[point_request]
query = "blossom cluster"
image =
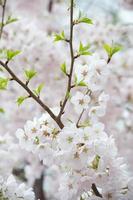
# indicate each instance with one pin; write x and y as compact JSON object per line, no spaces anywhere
{"x":10,"y":188}
{"x":81,"y":156}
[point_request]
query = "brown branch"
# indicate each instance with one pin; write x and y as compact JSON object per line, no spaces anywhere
{"x":31,"y":94}
{"x":3,"y":16}
{"x":39,"y":193}
{"x":25,"y":85}
{"x":69,"y":86}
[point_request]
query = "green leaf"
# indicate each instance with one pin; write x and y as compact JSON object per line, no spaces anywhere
{"x":82,"y":84}
{"x":117,"y":48}
{"x":63,"y":68}
{"x":107,"y":48}
{"x":30,"y":74}
{"x":59,"y":37}
{"x":8,"y":54}
{"x":11,"y":54}
{"x":111,"y":50}
{"x":2,"y":110}
{"x":84,"y":50}
{"x":81,"y":47}
{"x":85,"y":20}
{"x":3,"y":83}
{"x":21,"y":99}
{"x":85,"y":53}
{"x":10,"y":20}
{"x":38,"y":90}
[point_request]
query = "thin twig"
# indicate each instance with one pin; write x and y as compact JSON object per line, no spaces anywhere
{"x":31,"y":94}
{"x":3,"y":16}
{"x":69,"y":86}
{"x":80,"y":116}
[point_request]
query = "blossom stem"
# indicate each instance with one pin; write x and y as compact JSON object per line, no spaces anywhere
{"x":31,"y":94}
{"x":69,"y":86}
{"x":81,"y":114}
{"x":3,"y":16}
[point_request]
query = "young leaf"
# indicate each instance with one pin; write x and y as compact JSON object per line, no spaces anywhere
{"x":30,"y":74}
{"x":116,"y":49}
{"x":85,"y":20}
{"x":38,"y":90}
{"x":11,"y":54}
{"x":81,"y":47}
{"x":3,"y":83}
{"x":84,"y":50}
{"x":111,"y":50}
{"x":82,"y":84}
{"x":107,"y":48}
{"x":59,"y":37}
{"x":21,"y":99}
{"x":10,"y":20}
{"x":63,"y":68}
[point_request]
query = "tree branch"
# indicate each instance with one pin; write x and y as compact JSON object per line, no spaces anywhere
{"x":3,"y":16}
{"x":69,"y":86}
{"x":31,"y":94}
{"x":38,"y":188}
